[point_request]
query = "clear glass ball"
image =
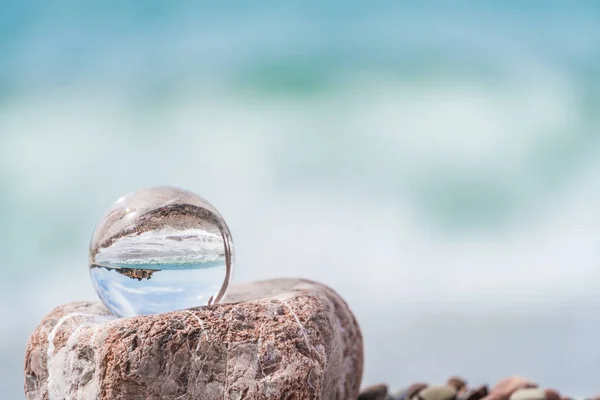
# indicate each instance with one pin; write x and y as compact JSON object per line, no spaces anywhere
{"x":158,"y":250}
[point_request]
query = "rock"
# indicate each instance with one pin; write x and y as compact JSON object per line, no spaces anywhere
{"x":409,"y":392}
{"x":415,"y":389}
{"x":552,"y":394}
{"x":280,"y":339}
{"x":477,"y":393}
{"x":506,"y":387}
{"x":529,"y":394}
{"x":437,"y":393}
{"x":458,"y":383}
{"x":375,"y":392}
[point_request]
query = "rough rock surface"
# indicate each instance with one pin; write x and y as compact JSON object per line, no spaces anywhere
{"x":279,"y":339}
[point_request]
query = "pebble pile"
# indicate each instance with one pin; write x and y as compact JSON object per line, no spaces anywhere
{"x":456,"y":388}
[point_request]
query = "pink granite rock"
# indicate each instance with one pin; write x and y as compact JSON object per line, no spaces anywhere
{"x":280,"y":339}
{"x":505,"y":388}
{"x":552,"y":394}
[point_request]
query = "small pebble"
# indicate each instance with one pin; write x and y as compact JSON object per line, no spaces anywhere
{"x":375,"y":392}
{"x":529,"y":394}
{"x":506,"y":387}
{"x":409,"y":392}
{"x":415,"y":389}
{"x":437,"y":393}
{"x":552,"y":394}
{"x":477,"y":393}
{"x":460,"y":384}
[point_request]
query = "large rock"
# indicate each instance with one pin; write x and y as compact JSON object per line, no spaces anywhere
{"x":279,"y":339}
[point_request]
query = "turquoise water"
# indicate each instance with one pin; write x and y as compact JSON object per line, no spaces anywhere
{"x":433,"y":162}
{"x":162,"y":266}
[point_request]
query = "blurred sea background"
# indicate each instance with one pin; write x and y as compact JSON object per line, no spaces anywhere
{"x":436,"y":163}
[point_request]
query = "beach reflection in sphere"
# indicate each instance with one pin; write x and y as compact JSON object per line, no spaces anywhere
{"x":158,"y":250}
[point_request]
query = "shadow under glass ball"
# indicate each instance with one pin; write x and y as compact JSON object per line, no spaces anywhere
{"x":158,"y":250}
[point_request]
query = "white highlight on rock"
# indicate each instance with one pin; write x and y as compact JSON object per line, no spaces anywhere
{"x":202,"y":326}
{"x":52,"y":333}
{"x":200,"y":322}
{"x":61,"y":363}
{"x":303,"y":332}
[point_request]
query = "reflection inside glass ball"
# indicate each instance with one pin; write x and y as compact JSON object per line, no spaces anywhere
{"x":158,"y":250}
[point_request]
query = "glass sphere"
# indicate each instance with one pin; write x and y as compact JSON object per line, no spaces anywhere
{"x":158,"y":250}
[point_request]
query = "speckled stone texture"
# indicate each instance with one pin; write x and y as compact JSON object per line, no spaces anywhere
{"x":279,"y":339}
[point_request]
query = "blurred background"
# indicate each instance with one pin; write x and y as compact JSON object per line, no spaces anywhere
{"x":438,"y":165}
